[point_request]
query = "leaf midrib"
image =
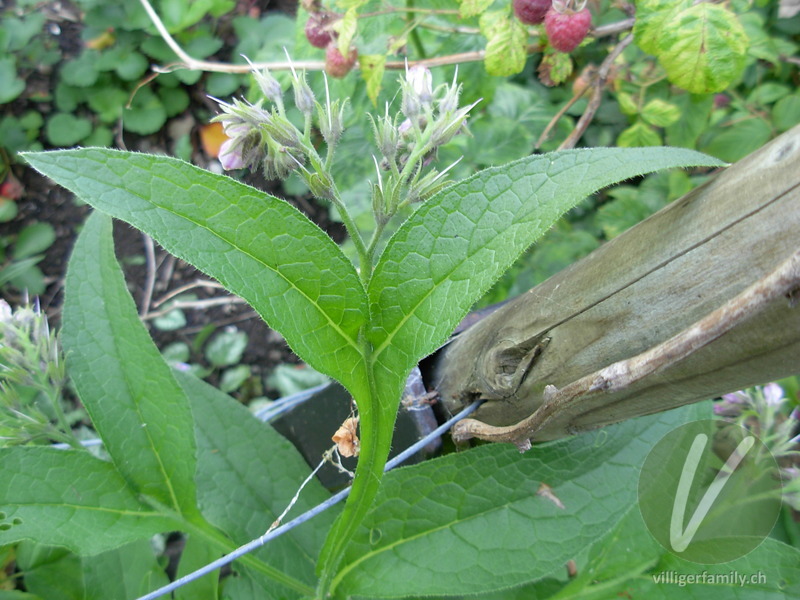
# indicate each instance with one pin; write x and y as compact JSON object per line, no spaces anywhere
{"x":434,"y":287}
{"x":350,"y":341}
{"x":118,"y":327}
{"x":93,"y":508}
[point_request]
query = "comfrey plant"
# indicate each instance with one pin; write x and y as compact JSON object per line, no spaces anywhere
{"x":766,"y":411}
{"x":182,"y":457}
{"x":32,"y":378}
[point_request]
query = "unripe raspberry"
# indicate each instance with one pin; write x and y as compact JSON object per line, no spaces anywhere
{"x":317,"y":33}
{"x":566,"y":30}
{"x":531,"y":12}
{"x":337,"y":65}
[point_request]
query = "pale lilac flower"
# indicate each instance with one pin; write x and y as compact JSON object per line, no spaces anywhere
{"x":773,"y":394}
{"x":736,"y":398}
{"x":230,"y":154}
{"x":404,"y":128}
{"x":421,"y":82}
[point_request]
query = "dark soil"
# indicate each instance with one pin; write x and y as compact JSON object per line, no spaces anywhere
{"x":44,"y":201}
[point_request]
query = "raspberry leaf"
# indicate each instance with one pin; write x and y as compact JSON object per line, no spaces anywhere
{"x":705,"y":49}
{"x":471,"y":8}
{"x":639,"y":134}
{"x":701,"y":46}
{"x":660,"y":113}
{"x":651,"y":18}
{"x":505,"y":47}
{"x":347,"y":30}
{"x":555,"y":68}
{"x":372,"y":69}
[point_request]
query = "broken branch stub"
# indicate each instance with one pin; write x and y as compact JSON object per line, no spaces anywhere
{"x":694,"y":302}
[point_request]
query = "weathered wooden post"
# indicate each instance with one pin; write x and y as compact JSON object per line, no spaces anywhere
{"x":701,"y":299}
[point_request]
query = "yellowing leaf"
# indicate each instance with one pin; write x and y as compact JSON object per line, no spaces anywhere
{"x":651,"y":16}
{"x":347,"y":30}
{"x":470,"y":8}
{"x":505,"y":47}
{"x":372,"y":68}
{"x":701,"y":46}
{"x":660,"y":113}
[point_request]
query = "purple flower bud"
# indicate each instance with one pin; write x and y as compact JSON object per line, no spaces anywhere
{"x":404,"y":128}
{"x":734,"y":398}
{"x":269,"y":85}
{"x":303,"y":96}
{"x":420,"y":80}
{"x":236,"y":130}
{"x":230,"y":155}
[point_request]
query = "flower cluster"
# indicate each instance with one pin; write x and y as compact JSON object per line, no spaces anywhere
{"x":765,"y":411}
{"x":267,"y":139}
{"x":32,"y":377}
{"x":408,"y":141}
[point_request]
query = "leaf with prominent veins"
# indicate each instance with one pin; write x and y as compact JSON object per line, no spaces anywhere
{"x":456,"y":245}
{"x":258,"y":246}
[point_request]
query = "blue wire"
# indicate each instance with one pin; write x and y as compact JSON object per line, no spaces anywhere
{"x":278,"y":531}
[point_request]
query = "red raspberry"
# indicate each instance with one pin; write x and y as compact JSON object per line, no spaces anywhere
{"x":566,"y":30}
{"x":337,"y":65}
{"x":531,"y":12}
{"x":316,"y":29}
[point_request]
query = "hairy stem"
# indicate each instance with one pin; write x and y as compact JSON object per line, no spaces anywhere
{"x":376,"y":426}
{"x":364,"y":260}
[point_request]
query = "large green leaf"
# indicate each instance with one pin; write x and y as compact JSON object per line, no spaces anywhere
{"x":246,"y":476}
{"x":473,"y":522}
{"x":127,"y":572}
{"x":629,"y":563}
{"x":69,"y":498}
{"x":456,"y":245}
{"x":258,"y":246}
{"x":772,"y":572}
{"x":128,"y":390}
